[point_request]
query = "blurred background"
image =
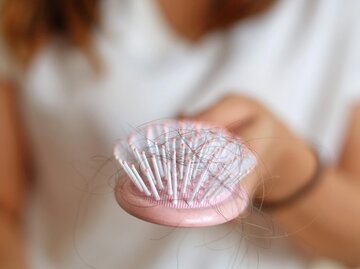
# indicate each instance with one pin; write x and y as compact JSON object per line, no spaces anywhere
{"x":77,"y":75}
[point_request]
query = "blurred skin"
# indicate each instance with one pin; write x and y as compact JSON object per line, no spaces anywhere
{"x":188,"y":19}
{"x":12,"y":181}
{"x":332,"y":207}
{"x":193,"y":19}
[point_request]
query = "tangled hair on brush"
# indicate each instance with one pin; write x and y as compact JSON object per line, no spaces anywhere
{"x":252,"y":230}
{"x":196,"y":161}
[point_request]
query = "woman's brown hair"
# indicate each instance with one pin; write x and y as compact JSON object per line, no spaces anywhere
{"x":28,"y":24}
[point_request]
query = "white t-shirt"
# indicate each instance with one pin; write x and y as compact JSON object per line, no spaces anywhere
{"x":301,"y":59}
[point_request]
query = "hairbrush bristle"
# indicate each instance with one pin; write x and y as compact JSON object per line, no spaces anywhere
{"x":183,"y":164}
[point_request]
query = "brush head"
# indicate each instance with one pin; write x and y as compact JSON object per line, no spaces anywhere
{"x":183,"y":174}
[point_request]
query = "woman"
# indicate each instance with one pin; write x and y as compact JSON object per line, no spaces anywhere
{"x":83,"y":71}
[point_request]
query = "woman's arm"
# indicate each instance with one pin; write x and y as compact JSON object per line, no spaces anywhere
{"x":335,"y":205}
{"x":11,"y":182}
{"x":326,"y":220}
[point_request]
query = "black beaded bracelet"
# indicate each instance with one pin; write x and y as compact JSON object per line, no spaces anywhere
{"x":297,"y":195}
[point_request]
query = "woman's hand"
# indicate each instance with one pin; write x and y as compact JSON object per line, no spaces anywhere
{"x":285,"y":162}
{"x":326,"y":222}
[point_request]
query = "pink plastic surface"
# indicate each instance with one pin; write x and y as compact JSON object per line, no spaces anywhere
{"x":160,"y":212}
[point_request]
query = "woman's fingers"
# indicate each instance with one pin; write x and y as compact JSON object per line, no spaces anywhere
{"x":230,"y":111}
{"x":246,"y":119}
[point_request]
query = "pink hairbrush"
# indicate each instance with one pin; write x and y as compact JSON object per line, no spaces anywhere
{"x":183,"y":174}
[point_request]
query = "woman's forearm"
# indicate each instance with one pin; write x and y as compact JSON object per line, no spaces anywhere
{"x":12,"y":181}
{"x":328,"y":218}
{"x":11,"y":247}
{"x":12,"y":166}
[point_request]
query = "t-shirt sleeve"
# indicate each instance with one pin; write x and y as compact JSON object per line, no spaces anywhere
{"x":346,"y":91}
{"x":351,"y":82}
